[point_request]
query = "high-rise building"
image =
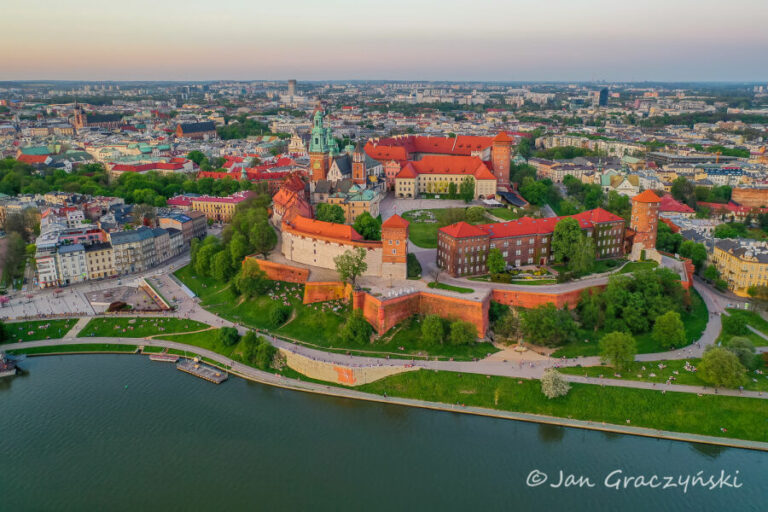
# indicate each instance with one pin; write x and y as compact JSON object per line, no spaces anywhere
{"x":603,"y":98}
{"x":291,"y":87}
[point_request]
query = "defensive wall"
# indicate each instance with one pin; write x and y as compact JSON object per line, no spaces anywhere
{"x":316,"y":291}
{"x":526,"y":299}
{"x":750,"y":197}
{"x":339,"y":374}
{"x":280,"y":271}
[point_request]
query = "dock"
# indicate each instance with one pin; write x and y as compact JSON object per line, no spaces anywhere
{"x":197,"y":369}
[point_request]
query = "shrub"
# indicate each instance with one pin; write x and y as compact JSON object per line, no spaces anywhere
{"x":227,"y":336}
{"x":462,"y":333}
{"x":279,"y":314}
{"x":553,"y":385}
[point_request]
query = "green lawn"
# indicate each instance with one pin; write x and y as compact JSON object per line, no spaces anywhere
{"x":642,"y":371}
{"x":139,"y":327}
{"x":752,"y":318}
{"x":38,"y":330}
{"x":405,"y":339}
{"x":695,"y":322}
{"x":424,"y":234}
{"x":205,"y":340}
{"x":505,"y":213}
{"x":60,"y":349}
{"x":636,"y":266}
{"x":744,"y":418}
{"x":443,"y":286}
{"x":598,"y":266}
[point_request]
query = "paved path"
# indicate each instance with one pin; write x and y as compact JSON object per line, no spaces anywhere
{"x":79,"y":326}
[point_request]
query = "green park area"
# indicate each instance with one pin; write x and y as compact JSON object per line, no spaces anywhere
{"x":674,"y":371}
{"x":424,"y":224}
{"x":752,"y":319}
{"x":139,"y":327}
{"x":742,"y":418}
{"x":36,"y":330}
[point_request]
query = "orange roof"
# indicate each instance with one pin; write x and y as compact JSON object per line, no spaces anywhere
{"x":407,"y":171}
{"x":646,"y":196}
{"x":395,"y":221}
{"x":326,"y":229}
{"x":434,"y":164}
{"x":482,"y":173}
{"x":502,"y":137}
{"x":462,"y":230}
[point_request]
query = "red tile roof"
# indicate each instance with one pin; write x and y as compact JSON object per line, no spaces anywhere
{"x":502,"y":137}
{"x":646,"y":196}
{"x":597,"y":216}
{"x":326,"y":229}
{"x":462,"y":230}
{"x":32,"y":159}
{"x":407,"y":171}
{"x":670,"y":204}
{"x":433,"y":164}
{"x":395,"y":221}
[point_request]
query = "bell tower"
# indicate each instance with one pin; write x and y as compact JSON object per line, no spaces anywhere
{"x":358,"y":165}
{"x":318,"y":148}
{"x":501,"y":155}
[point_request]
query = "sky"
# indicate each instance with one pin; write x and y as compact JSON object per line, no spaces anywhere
{"x":500,"y":40}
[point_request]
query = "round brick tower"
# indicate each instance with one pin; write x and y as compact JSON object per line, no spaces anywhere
{"x":645,"y":219}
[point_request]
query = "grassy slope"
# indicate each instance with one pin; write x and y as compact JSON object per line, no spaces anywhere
{"x":443,"y":286}
{"x":139,"y":327}
{"x":93,"y":347}
{"x":744,"y":418}
{"x":38,"y":330}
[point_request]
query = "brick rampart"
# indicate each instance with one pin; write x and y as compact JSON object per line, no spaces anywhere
{"x":750,"y":197}
{"x":315,"y":291}
{"x":281,"y":272}
{"x":525,"y":299}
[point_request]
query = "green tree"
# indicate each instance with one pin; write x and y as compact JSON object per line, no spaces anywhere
{"x":258,"y":351}
{"x":734,"y":325}
{"x":467,"y":189}
{"x":683,"y":190}
{"x":666,"y":240}
{"x":743,"y":348}
{"x":566,"y":239}
{"x":583,"y":257}
{"x":452,"y":190}
{"x":239,"y":247}
{"x":351,"y":264}
{"x":356,"y":330}
{"x":205,"y":254}
{"x":330,"y":213}
{"x":696,"y":252}
{"x":721,"y":368}
{"x":711,"y":273}
{"x":196,"y":156}
{"x":278,"y":314}
{"x":462,"y":333}
{"x":669,"y":330}
{"x":368,"y":226}
{"x":546,"y":325}
{"x":507,"y":327}
{"x":553,"y":385}
{"x":227,"y":336}
{"x":618,"y":349}
{"x":432,"y":332}
{"x":262,"y":238}
{"x":475,"y":213}
{"x":221,"y":266}
{"x":251,"y":281}
{"x":496,"y":262}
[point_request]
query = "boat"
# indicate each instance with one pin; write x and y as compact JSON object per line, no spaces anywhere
{"x":7,"y":366}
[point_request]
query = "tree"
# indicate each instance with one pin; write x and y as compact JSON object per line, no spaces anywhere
{"x":743,"y":348}
{"x":553,"y":385}
{"x":666,"y":240}
{"x":452,"y":190}
{"x":721,"y":368}
{"x":205,"y":254}
{"x":583,"y":257}
{"x":507,"y":326}
{"x":475,"y":213}
{"x":143,"y":214}
{"x":251,"y":281}
{"x":356,"y":330}
{"x":591,"y":309}
{"x":196,"y":156}
{"x":618,"y":349}
{"x":734,"y":325}
{"x":221,"y":266}
{"x":496,"y":262}
{"x":696,"y":252}
{"x":278,"y":314}
{"x":546,"y":325}
{"x":239,"y":247}
{"x":683,"y":190}
{"x":432,"y":332}
{"x":669,"y":331}
{"x":330,"y":213}
{"x":462,"y":333}
{"x":368,"y":226}
{"x":711,"y":273}
{"x":262,"y":238}
{"x":467,"y":189}
{"x":351,"y":264}
{"x":566,"y":239}
{"x":227,"y":336}
{"x":258,"y":351}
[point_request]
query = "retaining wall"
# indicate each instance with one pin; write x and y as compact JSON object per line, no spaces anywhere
{"x":280,"y":271}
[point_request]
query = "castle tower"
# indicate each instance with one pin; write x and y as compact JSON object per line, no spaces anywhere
{"x":644,"y":222}
{"x":318,"y":148}
{"x":394,"y":243}
{"x":501,"y":155}
{"x":358,"y":165}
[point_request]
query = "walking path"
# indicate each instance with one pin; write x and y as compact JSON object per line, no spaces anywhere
{"x":253,"y":374}
{"x":79,"y":326}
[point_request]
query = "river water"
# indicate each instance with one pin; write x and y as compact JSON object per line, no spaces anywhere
{"x":118,"y":432}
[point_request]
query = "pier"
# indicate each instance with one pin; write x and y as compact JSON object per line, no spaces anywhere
{"x":197,"y":369}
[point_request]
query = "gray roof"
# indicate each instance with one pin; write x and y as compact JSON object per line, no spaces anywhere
{"x":344,"y":163}
{"x":131,"y":236}
{"x":98,"y":246}
{"x":64,"y":249}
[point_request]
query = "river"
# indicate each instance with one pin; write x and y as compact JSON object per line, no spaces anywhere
{"x":118,"y":432}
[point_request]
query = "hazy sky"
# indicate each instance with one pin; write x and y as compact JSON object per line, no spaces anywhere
{"x":384,"y":39}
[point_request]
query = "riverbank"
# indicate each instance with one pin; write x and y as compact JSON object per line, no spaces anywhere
{"x":467,"y":405}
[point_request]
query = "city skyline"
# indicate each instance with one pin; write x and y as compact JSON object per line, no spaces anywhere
{"x":233,"y":40}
